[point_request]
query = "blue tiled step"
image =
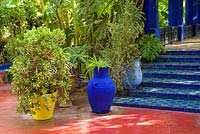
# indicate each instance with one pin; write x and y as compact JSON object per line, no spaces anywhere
{"x":170,"y":93}
{"x":176,"y":74}
{"x":178,"y":52}
{"x":173,"y":65}
{"x":171,"y":83}
{"x":159,"y":103}
{"x":179,"y":58}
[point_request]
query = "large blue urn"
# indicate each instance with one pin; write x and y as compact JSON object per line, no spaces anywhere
{"x":101,"y":91}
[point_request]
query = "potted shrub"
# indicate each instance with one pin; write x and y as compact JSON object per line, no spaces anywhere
{"x":122,"y":51}
{"x":40,"y":68}
{"x":101,"y":88}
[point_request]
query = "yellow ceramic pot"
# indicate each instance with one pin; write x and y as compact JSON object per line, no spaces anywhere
{"x":43,"y":113}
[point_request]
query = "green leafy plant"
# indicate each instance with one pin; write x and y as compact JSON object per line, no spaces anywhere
{"x":79,"y":56}
{"x":149,"y":47}
{"x":39,"y":67}
{"x":97,"y":18}
{"x":125,"y":28}
{"x":99,"y":63}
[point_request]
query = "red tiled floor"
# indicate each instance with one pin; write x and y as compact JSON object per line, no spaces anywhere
{"x":120,"y":120}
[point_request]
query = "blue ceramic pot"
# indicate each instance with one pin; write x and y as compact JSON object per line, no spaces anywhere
{"x":101,"y":91}
{"x":5,"y":66}
{"x":133,"y":76}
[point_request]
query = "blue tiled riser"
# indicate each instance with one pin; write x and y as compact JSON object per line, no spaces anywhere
{"x":173,"y":74}
{"x":170,"y":85}
{"x":159,"y":107}
{"x":178,"y":59}
{"x":172,"y":82}
{"x":175,"y":66}
{"x":192,"y":52}
{"x":176,"y":76}
{"x":173,"y":58}
{"x":163,"y":95}
{"x":157,"y":103}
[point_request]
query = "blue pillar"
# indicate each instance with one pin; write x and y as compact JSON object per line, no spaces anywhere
{"x":175,"y":16}
{"x":199,"y":12}
{"x":150,"y":10}
{"x":192,"y":14}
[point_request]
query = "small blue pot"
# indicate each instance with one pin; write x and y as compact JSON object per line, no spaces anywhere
{"x":133,"y":76}
{"x":101,"y":91}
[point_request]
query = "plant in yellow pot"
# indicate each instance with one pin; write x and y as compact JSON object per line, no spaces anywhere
{"x":40,"y":68}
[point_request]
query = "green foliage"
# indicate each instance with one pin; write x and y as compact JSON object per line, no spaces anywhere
{"x":3,"y":54}
{"x":94,"y":62}
{"x":79,"y":56}
{"x":125,"y":29}
{"x":163,"y":13}
{"x":108,"y":28}
{"x":16,"y":17}
{"x":149,"y":47}
{"x":97,"y":18}
{"x":12,"y":16}
{"x":39,"y":67}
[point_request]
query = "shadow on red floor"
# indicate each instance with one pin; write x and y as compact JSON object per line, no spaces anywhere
{"x":120,"y":120}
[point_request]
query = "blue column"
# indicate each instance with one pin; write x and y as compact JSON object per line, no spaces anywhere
{"x":150,"y":10}
{"x":199,"y":12}
{"x":175,"y":16}
{"x":192,"y":14}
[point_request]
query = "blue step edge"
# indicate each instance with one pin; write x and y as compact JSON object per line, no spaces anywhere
{"x":158,"y":107}
{"x":178,"y":59}
{"x":175,"y":76}
{"x":168,"y":66}
{"x":159,"y":103}
{"x":163,"y":95}
{"x":182,"y":52}
{"x":170,"y":85}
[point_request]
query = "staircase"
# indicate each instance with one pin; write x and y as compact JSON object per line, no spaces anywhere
{"x":172,"y":82}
